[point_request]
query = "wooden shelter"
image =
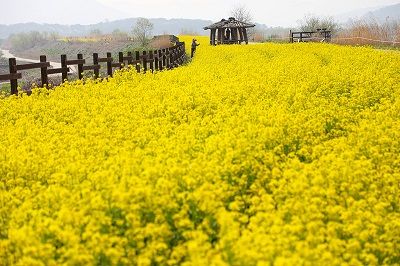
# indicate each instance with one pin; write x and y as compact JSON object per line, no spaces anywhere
{"x":229,"y":31}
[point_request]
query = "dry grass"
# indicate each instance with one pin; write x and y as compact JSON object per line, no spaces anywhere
{"x":371,"y":32}
{"x":161,"y":42}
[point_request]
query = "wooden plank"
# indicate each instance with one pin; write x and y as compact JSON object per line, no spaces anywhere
{"x":105,"y":59}
{"x":33,"y":66}
{"x":151,"y":57}
{"x":144,"y":58}
{"x":12,"y":63}
{"x":96,"y":63}
{"x":127,"y":58}
{"x":130,"y":58}
{"x":121,"y":60}
{"x":76,"y":62}
{"x":7,"y":77}
{"x":137,"y":56}
{"x":156,"y":61}
{"x":94,"y":67}
{"x":164,"y":58}
{"x":80,"y":66}
{"x":160,"y":58}
{"x":43,"y":71}
{"x":117,"y":65}
{"x":109,"y":65}
{"x":58,"y":70}
{"x":64,"y":75}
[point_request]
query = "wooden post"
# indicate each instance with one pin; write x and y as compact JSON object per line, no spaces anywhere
{"x":64,"y":75}
{"x":164,"y":58}
{"x":301,"y":37}
{"x":137,"y":58}
{"x":290,"y":36}
{"x":130,"y":58}
{"x":160,"y":59}
{"x":80,"y":67}
{"x":144,"y":58}
{"x":43,"y":72}
{"x":151,"y":57}
{"x":109,"y":65}
{"x":121,"y":59}
{"x":167,"y":58}
{"x":220,"y":37}
{"x":246,"y":39}
{"x":156,"y":60}
{"x":240,"y":35}
{"x":234,"y":33}
{"x":12,"y":64}
{"x":171,"y":57}
{"x":96,"y":71}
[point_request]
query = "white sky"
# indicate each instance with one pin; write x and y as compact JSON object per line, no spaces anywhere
{"x":270,"y":12}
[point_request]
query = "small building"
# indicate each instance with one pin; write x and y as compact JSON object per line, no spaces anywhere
{"x":163,"y":41}
{"x":229,"y":31}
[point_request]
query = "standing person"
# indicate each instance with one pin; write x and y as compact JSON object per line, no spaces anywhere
{"x":194,"y":46}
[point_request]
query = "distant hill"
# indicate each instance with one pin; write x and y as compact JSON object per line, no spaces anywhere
{"x":380,"y":14}
{"x":386,"y":13}
{"x":161,"y":26}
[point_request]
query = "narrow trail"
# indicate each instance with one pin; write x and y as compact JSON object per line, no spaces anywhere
{"x":7,"y":54}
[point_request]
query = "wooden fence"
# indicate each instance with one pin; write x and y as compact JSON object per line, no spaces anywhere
{"x":147,"y":60}
{"x":322,"y":35}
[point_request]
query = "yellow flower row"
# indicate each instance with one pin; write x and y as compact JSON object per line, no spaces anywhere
{"x":249,"y":155}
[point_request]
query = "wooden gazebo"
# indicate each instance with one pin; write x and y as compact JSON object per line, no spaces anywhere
{"x":229,"y":31}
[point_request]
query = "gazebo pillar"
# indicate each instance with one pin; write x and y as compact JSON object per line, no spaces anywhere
{"x":212,"y":36}
{"x":246,"y":39}
{"x":241,"y":38}
{"x":234,"y":32}
{"x":220,"y":37}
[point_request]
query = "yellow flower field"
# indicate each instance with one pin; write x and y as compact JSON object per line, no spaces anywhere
{"x":249,"y":155}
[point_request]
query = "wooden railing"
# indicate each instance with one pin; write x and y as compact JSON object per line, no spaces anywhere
{"x":143,"y":61}
{"x":307,"y":36}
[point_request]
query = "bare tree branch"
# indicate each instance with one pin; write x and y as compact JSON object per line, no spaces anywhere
{"x":241,"y":13}
{"x":142,"y":31}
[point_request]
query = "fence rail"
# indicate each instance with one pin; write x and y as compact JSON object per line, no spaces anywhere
{"x":305,"y":36}
{"x":143,"y":61}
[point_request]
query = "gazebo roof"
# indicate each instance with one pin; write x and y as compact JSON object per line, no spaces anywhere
{"x":230,"y":23}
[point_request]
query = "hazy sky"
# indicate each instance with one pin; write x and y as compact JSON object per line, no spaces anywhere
{"x":269,"y":12}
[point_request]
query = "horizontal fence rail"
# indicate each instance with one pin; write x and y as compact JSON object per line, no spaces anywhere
{"x":154,"y":60}
{"x":304,"y":36}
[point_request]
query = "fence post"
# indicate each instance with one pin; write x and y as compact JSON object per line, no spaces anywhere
{"x":144,"y":58}
{"x":172,"y":57}
{"x":130,"y":58}
{"x":64,"y":75}
{"x":121,"y":59}
{"x":109,"y":65}
{"x":301,"y":37}
{"x":160,"y":60}
{"x":43,"y":72}
{"x":96,"y":71}
{"x":137,"y":58}
{"x":168,"y":59}
{"x":164,"y":58}
{"x":80,"y":67}
{"x":151,"y":56}
{"x":156,"y":60}
{"x":12,"y":64}
{"x":290,"y":37}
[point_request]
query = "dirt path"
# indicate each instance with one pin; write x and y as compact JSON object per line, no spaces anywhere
{"x":6,"y":54}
